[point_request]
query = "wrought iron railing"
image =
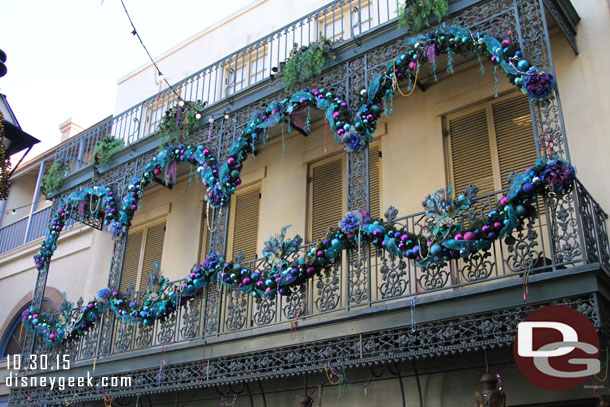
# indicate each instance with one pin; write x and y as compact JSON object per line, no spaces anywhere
{"x":570,"y":231}
{"x":22,"y":232}
{"x":339,"y":21}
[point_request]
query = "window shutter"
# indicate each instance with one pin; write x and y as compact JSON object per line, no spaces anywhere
{"x":131,"y":260}
{"x":471,"y":153}
{"x":245,"y":224}
{"x":374,"y":182}
{"x":327,"y":197}
{"x":203,"y":235}
{"x":514,"y":136}
{"x":153,"y":251}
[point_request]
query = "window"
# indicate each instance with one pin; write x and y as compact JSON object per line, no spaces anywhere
{"x":342,"y":23}
{"x":245,"y":208}
{"x":249,"y":69}
{"x":13,"y":340}
{"x":489,"y":142}
{"x":143,"y":250}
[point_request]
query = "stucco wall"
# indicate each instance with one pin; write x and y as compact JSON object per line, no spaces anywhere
{"x":584,"y":89}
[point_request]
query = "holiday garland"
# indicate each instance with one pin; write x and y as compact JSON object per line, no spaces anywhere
{"x":448,"y":238}
{"x":5,"y":164}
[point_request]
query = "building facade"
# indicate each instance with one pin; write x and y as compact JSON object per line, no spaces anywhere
{"x":373,"y":328}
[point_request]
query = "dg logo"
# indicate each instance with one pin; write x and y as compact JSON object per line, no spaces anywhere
{"x":556,"y":348}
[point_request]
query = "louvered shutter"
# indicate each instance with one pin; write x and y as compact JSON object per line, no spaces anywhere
{"x":470,"y":153}
{"x":153,"y":251}
{"x":374,"y":182}
{"x":203,"y":235}
{"x":327,"y":197}
{"x":514,"y":136}
{"x":245,"y":224}
{"x":131,"y":260}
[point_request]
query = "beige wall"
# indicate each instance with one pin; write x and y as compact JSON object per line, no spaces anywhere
{"x":584,"y":88}
{"x":20,"y":198}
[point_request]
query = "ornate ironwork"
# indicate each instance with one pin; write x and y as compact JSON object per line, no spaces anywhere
{"x":328,"y":289}
{"x":469,"y":333}
{"x":394,"y":276}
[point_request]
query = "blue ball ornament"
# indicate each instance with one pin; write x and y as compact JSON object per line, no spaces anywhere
{"x":528,"y":188}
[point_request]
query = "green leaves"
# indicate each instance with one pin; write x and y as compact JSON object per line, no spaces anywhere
{"x":107,"y":148}
{"x":417,"y":13}
{"x":53,"y":180}
{"x":305,"y":63}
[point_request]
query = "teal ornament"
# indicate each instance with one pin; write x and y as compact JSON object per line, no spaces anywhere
{"x":520,"y":210}
{"x":523,"y":65}
{"x":436,"y":250}
{"x":235,"y":174}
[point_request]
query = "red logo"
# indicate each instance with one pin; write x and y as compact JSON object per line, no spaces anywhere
{"x":556,"y":348}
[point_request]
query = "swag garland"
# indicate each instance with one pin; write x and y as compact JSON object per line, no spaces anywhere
{"x":448,"y":238}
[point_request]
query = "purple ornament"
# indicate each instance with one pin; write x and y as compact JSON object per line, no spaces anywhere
{"x":469,"y":236}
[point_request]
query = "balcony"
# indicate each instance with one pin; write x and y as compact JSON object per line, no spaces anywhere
{"x":24,"y":230}
{"x":568,"y":240}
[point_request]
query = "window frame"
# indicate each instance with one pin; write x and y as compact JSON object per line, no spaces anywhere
{"x":487,"y":106}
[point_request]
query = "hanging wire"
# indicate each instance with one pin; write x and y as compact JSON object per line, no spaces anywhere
{"x":135,"y":32}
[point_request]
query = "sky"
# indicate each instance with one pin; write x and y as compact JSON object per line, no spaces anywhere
{"x":64,"y":57}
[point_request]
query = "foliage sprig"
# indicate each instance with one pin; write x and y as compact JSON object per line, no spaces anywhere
{"x":54,"y":178}
{"x":417,"y":13}
{"x":107,"y":148}
{"x":304,"y":63}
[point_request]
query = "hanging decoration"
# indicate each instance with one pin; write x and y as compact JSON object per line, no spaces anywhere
{"x":445,"y":238}
{"x":97,"y":202}
{"x":5,"y":163}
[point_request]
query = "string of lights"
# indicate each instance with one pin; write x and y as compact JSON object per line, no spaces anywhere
{"x":135,"y":33}
{"x":14,"y":210}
